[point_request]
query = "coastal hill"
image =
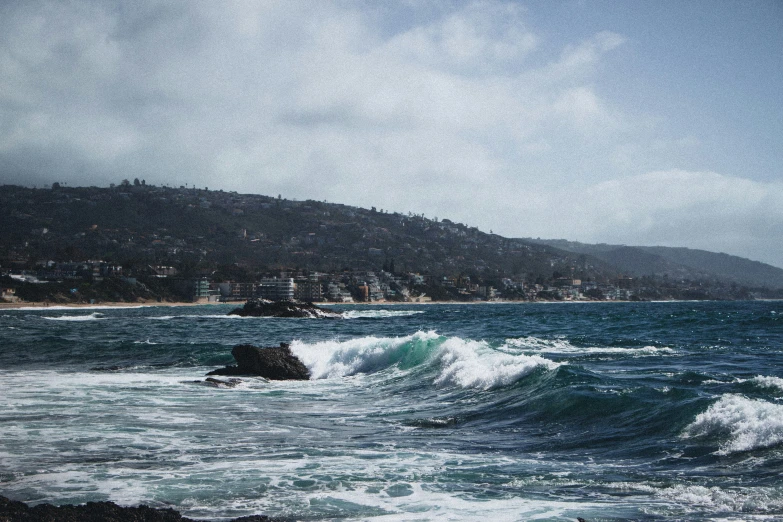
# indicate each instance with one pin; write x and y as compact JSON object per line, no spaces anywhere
{"x":230,"y":236}
{"x":141,"y":224}
{"x":674,"y":262}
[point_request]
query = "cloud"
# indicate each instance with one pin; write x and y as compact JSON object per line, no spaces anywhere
{"x":674,"y":208}
{"x":452,"y":110}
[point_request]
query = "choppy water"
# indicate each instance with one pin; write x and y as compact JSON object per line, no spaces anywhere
{"x":606,"y":411}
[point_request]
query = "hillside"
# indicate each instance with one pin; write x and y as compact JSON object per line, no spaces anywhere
{"x":199,"y":229}
{"x":240,"y":237}
{"x":676,"y":263}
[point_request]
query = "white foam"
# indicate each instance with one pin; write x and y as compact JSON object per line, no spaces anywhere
{"x":330,"y":359}
{"x":562,"y":347}
{"x":744,"y":424}
{"x":95,"y":316}
{"x":740,"y":500}
{"x":425,"y":503}
{"x":473,"y":364}
{"x":379,"y":314}
{"x":768,"y":382}
{"x":469,"y":364}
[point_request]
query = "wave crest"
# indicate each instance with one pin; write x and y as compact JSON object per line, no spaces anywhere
{"x":563,"y":347}
{"x":330,"y":359}
{"x":474,"y":364}
{"x":745,"y":424}
{"x":465,"y":363}
{"x":95,"y":316}
{"x":768,"y":382}
{"x":379,"y":314}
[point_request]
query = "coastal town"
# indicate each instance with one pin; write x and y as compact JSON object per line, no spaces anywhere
{"x":95,"y":282}
{"x":134,"y":242}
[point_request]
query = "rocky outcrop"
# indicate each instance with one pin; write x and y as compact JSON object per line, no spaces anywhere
{"x":266,"y":308}
{"x":276,"y":363}
{"x":13,"y":511}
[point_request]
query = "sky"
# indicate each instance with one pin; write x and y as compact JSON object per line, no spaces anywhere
{"x":623,"y":122}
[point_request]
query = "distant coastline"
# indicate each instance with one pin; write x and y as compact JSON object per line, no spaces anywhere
{"x":115,"y":304}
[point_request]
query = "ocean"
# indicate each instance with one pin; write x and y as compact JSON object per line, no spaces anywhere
{"x":529,"y":411}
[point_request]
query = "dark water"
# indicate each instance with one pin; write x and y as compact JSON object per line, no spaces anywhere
{"x":606,"y":411}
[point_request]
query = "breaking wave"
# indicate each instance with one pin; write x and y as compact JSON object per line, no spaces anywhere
{"x":768,"y":382}
{"x":465,"y":363}
{"x":741,"y":424}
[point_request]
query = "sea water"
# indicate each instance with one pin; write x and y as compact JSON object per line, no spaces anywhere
{"x":605,"y":411}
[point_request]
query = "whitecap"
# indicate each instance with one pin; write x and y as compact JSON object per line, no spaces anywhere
{"x":330,"y":359}
{"x":474,"y":364}
{"x":743,"y":424}
{"x":768,"y":382}
{"x":465,"y":363}
{"x":379,"y":314}
{"x":563,"y":347}
{"x":742,"y":500}
{"x":95,"y":316}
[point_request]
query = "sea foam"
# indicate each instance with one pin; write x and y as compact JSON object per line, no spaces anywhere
{"x":692,"y":496}
{"x":330,"y":359}
{"x":474,"y":364}
{"x":95,"y":316}
{"x":563,"y":347}
{"x":379,"y":314}
{"x":768,"y":382}
{"x":743,"y":424}
{"x":465,"y":363}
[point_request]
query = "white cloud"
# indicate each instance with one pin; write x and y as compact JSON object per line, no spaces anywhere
{"x":451,"y":111}
{"x":673,"y":208}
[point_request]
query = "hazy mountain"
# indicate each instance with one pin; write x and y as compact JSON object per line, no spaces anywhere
{"x":676,"y":262}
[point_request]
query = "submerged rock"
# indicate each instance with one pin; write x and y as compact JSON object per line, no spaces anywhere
{"x":12,"y":510}
{"x":277,"y":363}
{"x":266,"y":308}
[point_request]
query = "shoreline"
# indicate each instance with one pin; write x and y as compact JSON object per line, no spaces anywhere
{"x":39,"y":305}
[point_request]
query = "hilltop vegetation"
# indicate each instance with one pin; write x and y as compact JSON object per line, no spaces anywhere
{"x":199,"y":229}
{"x":240,"y":237}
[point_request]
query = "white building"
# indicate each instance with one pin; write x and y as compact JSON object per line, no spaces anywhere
{"x":276,"y":289}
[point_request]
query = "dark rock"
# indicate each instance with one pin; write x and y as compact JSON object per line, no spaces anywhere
{"x":266,"y":308}
{"x":217,"y":383}
{"x":273,"y":363}
{"x":230,"y":383}
{"x":230,"y":370}
{"x":13,"y":511}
